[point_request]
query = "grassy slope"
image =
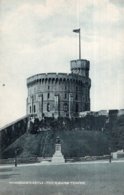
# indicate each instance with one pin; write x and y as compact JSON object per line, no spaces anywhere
{"x":75,"y":143}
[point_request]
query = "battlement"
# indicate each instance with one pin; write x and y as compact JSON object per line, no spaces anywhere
{"x":46,"y":75}
{"x":83,"y":64}
{"x":80,"y":67}
{"x":56,"y":77}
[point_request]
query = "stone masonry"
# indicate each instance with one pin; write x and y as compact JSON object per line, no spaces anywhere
{"x":60,"y":95}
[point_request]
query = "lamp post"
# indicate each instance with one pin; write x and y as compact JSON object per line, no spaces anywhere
{"x":16,"y":157}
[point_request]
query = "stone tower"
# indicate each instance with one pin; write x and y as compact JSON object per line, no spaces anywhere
{"x":60,"y":95}
{"x":81,"y":67}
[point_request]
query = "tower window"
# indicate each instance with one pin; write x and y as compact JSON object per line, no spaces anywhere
{"x":48,"y":87}
{"x":65,"y":95}
{"x":76,"y":107}
{"x":34,"y":108}
{"x":76,"y":97}
{"x":48,"y":107}
{"x":30,"y":109}
{"x":65,"y":108}
{"x":87,"y":74}
{"x":48,"y":95}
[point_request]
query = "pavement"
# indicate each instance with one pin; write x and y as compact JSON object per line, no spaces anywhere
{"x":52,"y":164}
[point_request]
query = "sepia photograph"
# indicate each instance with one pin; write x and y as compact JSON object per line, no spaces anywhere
{"x":61,"y":97}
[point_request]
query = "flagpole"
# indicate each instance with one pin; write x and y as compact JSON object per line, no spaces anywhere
{"x":80,"y":44}
{"x":79,"y":31}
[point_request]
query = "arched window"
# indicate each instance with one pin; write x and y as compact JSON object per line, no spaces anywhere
{"x":65,"y":95}
{"x":48,"y":107}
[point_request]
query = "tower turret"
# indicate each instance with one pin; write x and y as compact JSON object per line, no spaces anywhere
{"x":80,"y":67}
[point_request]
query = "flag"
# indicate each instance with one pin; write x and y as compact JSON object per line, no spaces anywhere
{"x":76,"y":30}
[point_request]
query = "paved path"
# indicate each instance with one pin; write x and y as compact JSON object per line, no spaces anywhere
{"x":49,"y":163}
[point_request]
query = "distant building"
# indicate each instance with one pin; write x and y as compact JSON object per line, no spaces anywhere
{"x":113,"y":113}
{"x":60,"y":95}
{"x":85,"y":113}
{"x":103,"y":112}
{"x":121,"y":112}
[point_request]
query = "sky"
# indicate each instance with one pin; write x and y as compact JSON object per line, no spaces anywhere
{"x":36,"y":37}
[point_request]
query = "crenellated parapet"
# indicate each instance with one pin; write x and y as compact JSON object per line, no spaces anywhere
{"x":85,"y":64}
{"x":54,"y":77}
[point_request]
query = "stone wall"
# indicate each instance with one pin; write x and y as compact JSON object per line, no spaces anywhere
{"x":12,"y":131}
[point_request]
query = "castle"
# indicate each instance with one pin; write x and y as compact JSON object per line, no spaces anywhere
{"x":60,"y":95}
